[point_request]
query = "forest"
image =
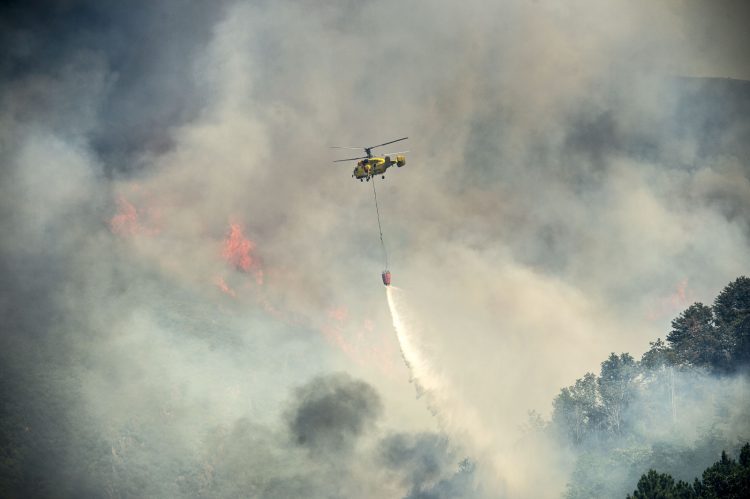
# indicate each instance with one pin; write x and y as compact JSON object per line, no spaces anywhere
{"x":672,"y":424}
{"x":725,"y":478}
{"x":671,"y":412}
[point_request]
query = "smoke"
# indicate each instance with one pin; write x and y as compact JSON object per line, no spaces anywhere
{"x":677,"y":421}
{"x":331,"y":412}
{"x":425,"y":379}
{"x":454,"y":415}
{"x":175,"y":239}
{"x":497,"y":454}
{"x":422,"y":459}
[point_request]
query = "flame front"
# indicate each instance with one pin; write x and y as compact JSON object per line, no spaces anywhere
{"x":360,"y":342}
{"x":125,"y":222}
{"x":237,"y":249}
{"x":672,"y":303}
{"x":130,"y":221}
{"x":224,"y":287}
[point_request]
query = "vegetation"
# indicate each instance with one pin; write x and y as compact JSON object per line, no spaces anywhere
{"x":706,"y":340}
{"x":726,"y":478}
{"x":673,"y":410}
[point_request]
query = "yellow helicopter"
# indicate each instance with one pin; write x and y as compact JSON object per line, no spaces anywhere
{"x":370,"y":165}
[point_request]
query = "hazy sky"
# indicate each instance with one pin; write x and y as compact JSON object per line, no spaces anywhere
{"x":568,"y":191}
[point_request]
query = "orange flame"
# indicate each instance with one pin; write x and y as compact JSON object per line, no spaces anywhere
{"x":129,"y":220}
{"x":669,"y":305}
{"x":237,"y":249}
{"x":125,"y":222}
{"x":224,"y":287}
{"x":361,"y":344}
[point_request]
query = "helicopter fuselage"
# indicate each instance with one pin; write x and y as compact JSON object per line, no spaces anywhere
{"x":377,"y":165}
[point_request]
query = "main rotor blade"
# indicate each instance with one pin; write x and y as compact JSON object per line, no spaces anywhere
{"x":386,"y":143}
{"x":391,"y":153}
{"x":349,"y":159}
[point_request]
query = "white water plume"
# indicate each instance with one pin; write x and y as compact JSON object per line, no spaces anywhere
{"x":453,"y":414}
{"x":426,"y":380}
{"x":494,"y":450}
{"x":442,"y":399}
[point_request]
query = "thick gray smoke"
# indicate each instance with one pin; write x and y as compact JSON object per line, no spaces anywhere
{"x":180,"y":257}
{"x":421,"y":461}
{"x":673,"y":419}
{"x":332,"y":412}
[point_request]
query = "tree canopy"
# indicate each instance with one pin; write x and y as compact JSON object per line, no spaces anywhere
{"x":726,"y":478}
{"x":633,"y":414}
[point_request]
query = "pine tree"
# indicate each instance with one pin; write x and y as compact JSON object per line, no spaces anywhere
{"x":732,"y":311}
{"x":697,"y":341}
{"x":725,"y":479}
{"x":655,"y":485}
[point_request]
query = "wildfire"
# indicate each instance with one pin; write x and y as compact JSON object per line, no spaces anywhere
{"x":237,"y":249}
{"x":224,"y":287}
{"x":668,"y":305}
{"x":680,"y":296}
{"x":360,"y":343}
{"x":125,"y":222}
{"x":129,"y":220}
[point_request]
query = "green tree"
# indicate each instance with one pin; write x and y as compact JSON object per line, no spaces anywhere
{"x":732,"y":311}
{"x":576,"y":410}
{"x":658,"y":355}
{"x":655,"y":485}
{"x":697,"y":341}
{"x":732,"y":305}
{"x":741,"y":350}
{"x":727,"y":478}
{"x":616,"y":388}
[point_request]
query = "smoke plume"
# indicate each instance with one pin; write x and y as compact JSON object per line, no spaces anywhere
{"x":182,"y":266}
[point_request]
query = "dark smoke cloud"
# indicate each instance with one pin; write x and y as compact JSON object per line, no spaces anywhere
{"x":331,"y":412}
{"x":140,"y":61}
{"x":421,"y":457}
{"x":428,"y":466}
{"x":246,"y":458}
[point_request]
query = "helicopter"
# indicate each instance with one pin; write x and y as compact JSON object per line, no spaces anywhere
{"x":370,"y":165}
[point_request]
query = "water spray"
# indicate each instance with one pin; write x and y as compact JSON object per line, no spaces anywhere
{"x":442,"y":398}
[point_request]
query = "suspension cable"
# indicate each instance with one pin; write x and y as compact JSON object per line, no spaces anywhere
{"x":380,"y":228}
